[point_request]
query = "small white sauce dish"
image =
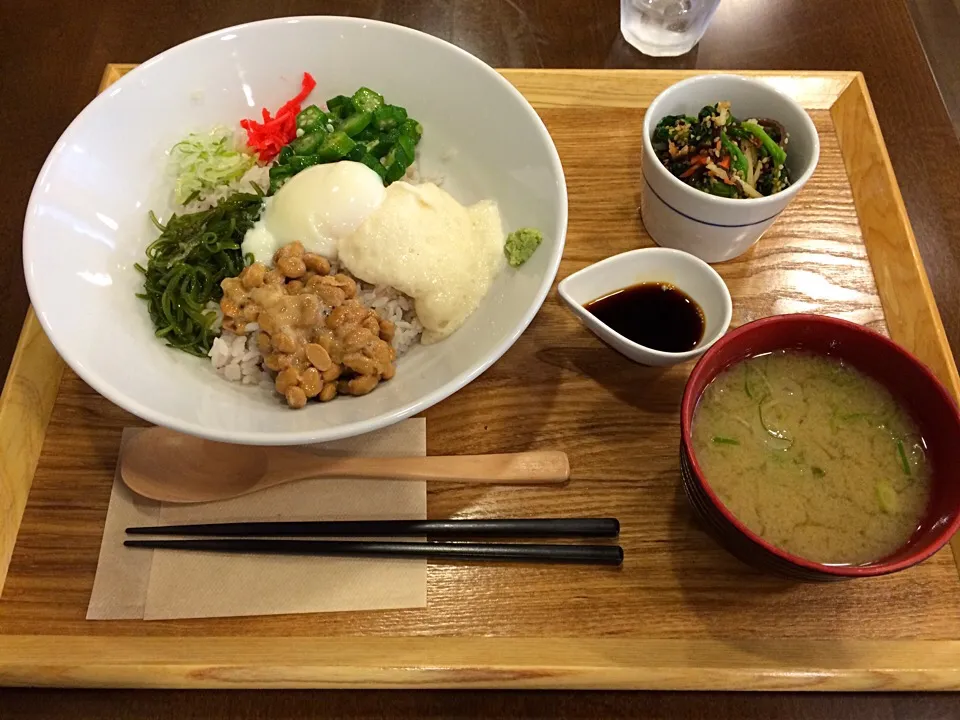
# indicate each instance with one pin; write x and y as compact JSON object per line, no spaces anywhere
{"x":651,"y":265}
{"x":714,"y":228}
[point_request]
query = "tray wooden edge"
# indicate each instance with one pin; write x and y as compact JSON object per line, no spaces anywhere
{"x":485,"y":662}
{"x":550,"y":88}
{"x":479,"y":662}
{"x":912,"y":318}
{"x":26,"y":404}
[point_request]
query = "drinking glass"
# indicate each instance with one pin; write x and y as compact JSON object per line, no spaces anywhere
{"x":665,"y":28}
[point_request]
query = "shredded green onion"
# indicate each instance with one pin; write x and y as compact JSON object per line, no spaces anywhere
{"x":186,"y":264}
{"x":206,"y":162}
{"x":755,"y":382}
{"x":719,"y":440}
{"x":904,"y":463}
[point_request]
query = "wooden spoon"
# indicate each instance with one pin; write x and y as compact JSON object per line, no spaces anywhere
{"x":165,"y":465}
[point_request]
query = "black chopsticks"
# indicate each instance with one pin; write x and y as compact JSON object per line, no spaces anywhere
{"x":580,"y":554}
{"x":248,"y":537}
{"x":466,"y":528}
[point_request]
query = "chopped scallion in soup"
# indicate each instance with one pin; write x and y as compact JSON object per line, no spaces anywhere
{"x":814,"y":456}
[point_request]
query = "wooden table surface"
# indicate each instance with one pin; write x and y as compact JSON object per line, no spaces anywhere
{"x":54,"y":53}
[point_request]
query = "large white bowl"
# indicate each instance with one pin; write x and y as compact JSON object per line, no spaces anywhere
{"x":86,"y":223}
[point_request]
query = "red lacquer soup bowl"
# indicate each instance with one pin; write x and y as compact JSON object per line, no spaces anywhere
{"x":912,"y":385}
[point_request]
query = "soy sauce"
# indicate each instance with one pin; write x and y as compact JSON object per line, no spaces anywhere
{"x":656,"y":315}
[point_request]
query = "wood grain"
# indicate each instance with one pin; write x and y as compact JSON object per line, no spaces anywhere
{"x":266,"y":663}
{"x":633,"y":627}
{"x":938,"y":24}
{"x":559,"y":88}
{"x":366,"y":704}
{"x":25,"y":406}
{"x":628,"y":89}
{"x":911,"y":317}
{"x":822,"y":34}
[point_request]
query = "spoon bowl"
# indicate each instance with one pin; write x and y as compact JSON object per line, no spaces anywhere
{"x":164,"y":465}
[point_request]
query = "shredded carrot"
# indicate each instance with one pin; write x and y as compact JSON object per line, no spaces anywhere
{"x":695,"y":162}
{"x":725,"y":163}
{"x":269,"y":137}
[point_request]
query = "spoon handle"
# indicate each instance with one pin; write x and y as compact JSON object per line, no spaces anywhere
{"x":525,"y":468}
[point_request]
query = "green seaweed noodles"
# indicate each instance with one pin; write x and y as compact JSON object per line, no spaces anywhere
{"x":186,"y":264}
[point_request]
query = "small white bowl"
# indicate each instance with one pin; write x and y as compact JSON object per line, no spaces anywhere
{"x":682,"y":270}
{"x":714,"y":228}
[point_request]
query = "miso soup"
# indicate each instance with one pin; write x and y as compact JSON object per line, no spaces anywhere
{"x":814,"y":456}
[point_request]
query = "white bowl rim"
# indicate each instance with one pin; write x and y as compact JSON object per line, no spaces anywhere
{"x":772,"y":200}
{"x":701,"y":266}
{"x":102,"y":386}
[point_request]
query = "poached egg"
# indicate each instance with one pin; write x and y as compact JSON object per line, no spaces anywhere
{"x":319,"y":206}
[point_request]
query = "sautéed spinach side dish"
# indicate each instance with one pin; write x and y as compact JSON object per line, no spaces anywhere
{"x":721,"y":155}
{"x":813,"y":456}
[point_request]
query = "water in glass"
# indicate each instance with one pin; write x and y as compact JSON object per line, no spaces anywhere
{"x":665,"y":27}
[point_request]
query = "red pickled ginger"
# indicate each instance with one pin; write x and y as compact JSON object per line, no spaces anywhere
{"x":269,"y":137}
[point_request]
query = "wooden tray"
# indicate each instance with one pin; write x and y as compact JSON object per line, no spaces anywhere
{"x":680,"y":614}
